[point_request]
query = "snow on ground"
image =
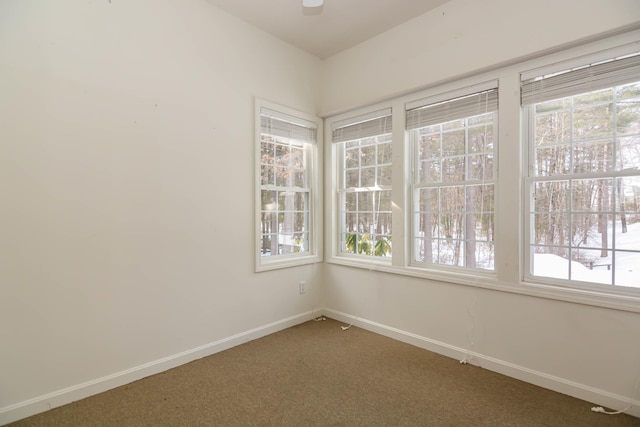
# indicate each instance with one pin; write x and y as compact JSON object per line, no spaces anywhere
{"x":627,"y":264}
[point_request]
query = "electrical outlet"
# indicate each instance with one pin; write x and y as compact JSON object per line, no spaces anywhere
{"x":302,"y":287}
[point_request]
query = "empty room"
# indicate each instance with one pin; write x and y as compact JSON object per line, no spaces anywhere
{"x":443,"y":191}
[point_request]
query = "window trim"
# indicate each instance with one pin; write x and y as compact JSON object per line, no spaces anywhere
{"x":314,"y":255}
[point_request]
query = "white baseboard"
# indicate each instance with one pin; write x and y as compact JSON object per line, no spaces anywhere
{"x":551,"y":382}
{"x":58,"y":398}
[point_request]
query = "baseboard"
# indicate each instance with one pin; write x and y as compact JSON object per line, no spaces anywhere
{"x":551,"y":382}
{"x":58,"y":398}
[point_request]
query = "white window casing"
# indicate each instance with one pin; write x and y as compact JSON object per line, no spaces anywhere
{"x":288,"y":187}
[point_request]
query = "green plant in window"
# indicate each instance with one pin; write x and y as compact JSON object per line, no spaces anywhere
{"x":382,"y":247}
{"x":350,"y":242}
{"x":364,"y":245}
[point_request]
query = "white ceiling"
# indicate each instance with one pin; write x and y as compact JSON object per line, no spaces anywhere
{"x":331,"y":28}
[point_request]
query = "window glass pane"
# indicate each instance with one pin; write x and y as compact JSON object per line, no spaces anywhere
{"x":352,"y":158}
{"x":351,"y":202}
{"x":626,"y":268}
{"x":628,"y":116}
{"x":265,"y":245}
{"x":553,"y":128}
{"x":283,"y":176}
{"x":554,"y":105}
{"x":428,"y":171}
{"x":383,"y":201}
{"x":627,"y":152}
{"x":385,"y":175}
{"x":384,"y":153}
{"x":368,"y":177}
{"x":365,"y":222}
{"x":299,"y":178}
{"x":593,"y":157}
{"x":553,"y":160}
{"x":481,"y":167}
{"x":551,"y":262}
{"x":301,"y":202}
{"x":481,"y":139}
{"x":593,"y":122}
{"x":551,"y":196}
{"x":267,"y":176}
{"x":429,"y":147}
{"x":352,"y":178}
{"x":453,"y":143}
{"x":368,"y":155}
{"x":551,"y":228}
{"x":453,"y":169}
{"x":351,"y":221}
{"x":590,"y":98}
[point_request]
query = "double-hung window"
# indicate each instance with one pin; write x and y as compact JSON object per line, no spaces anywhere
{"x":363,"y":152}
{"x":453,"y":145}
{"x":288,"y":193}
{"x":583,"y":184}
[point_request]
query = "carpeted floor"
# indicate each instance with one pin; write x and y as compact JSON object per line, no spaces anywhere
{"x":315,"y":374}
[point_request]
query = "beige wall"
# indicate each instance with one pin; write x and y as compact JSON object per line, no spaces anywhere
{"x":126,"y":187}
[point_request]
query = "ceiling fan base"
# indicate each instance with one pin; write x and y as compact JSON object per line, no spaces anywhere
{"x":312,"y":3}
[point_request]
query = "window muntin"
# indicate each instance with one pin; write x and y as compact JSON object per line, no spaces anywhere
{"x":584,"y":177}
{"x":453,"y":145}
{"x":364,"y":158}
{"x":287,"y":187}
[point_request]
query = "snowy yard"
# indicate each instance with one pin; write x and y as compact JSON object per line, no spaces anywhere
{"x":626,"y":265}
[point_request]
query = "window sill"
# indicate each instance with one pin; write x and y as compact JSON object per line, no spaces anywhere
{"x":597,"y":298}
{"x":264,"y":264}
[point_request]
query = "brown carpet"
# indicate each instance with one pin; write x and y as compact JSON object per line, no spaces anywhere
{"x":315,"y":374}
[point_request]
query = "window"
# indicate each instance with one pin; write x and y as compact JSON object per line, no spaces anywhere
{"x":453,"y":146}
{"x":562,"y":218}
{"x":287,"y":196}
{"x":363,"y":147}
{"x":583,"y":184}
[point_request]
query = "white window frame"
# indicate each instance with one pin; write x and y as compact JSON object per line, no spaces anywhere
{"x":314,"y":179}
{"x":529,"y":177}
{"x":478,"y":91}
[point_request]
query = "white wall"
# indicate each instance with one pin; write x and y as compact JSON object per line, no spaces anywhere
{"x":460,"y":37}
{"x":126,"y":191}
{"x":586,"y":351}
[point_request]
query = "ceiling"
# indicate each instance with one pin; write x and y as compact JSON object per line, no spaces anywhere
{"x":331,"y":28}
